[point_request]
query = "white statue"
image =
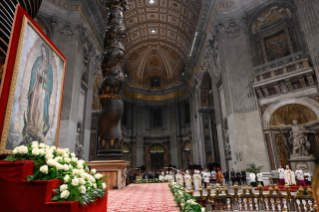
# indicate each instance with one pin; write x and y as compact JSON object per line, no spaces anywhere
{"x":188,"y":180}
{"x":299,"y":141}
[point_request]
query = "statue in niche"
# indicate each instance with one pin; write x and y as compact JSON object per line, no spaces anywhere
{"x":227,"y":141}
{"x":299,"y":140}
{"x":85,"y":73}
{"x":283,"y":87}
{"x":79,"y":148}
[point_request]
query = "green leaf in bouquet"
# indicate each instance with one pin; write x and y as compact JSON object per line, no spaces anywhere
{"x":55,"y":198}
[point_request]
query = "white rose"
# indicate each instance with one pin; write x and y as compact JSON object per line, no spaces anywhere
{"x":82,"y":189}
{"x":73,"y":155}
{"x":35,"y":143}
{"x":74,"y":159}
{"x":75,"y":171}
{"x":60,"y":151}
{"x":82,"y":181}
{"x":51,"y":162}
{"x":67,"y":150}
{"x":58,"y":158}
{"x":93,"y":171}
{"x":81,"y":161}
{"x":80,"y":166}
{"x":59,"y":166}
{"x":53,"y":148}
{"x":81,"y":171}
{"x":34,"y":146}
{"x":49,"y":156}
{"x":41,"y":152}
{"x":75,"y":182}
{"x":103,"y":185}
{"x":63,"y":187}
{"x":44,"y":169}
{"x":66,"y":167}
{"x":23,"y":150}
{"x":68,"y":160}
{"x":66,"y":178}
{"x":98,"y":176}
{"x":91,"y":178}
{"x":16,"y":151}
{"x":35,"y":152}
{"x":66,"y":155}
{"x":94,"y":185}
{"x":42,"y":145}
{"x":65,"y":194}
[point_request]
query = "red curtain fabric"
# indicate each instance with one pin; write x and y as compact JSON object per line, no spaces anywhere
{"x":20,"y":195}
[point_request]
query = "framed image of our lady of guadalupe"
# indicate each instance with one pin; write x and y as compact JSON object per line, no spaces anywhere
{"x":32,"y":87}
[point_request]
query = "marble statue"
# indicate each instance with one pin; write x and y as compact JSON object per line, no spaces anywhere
{"x":79,"y":148}
{"x":299,"y":141}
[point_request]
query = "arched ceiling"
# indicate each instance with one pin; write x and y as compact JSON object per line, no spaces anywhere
{"x":159,"y":39}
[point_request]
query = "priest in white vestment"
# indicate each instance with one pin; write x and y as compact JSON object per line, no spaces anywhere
{"x":252,"y":177}
{"x":179,"y":178}
{"x":197,"y":179}
{"x":171,"y":177}
{"x":167,"y":176}
{"x":207,"y":177}
{"x":307,"y":177}
{"x":214,"y":175}
{"x":300,"y":178}
{"x":260,"y":178}
{"x":162,"y":176}
{"x":281,"y":173}
{"x":188,"y":180}
{"x":289,"y":176}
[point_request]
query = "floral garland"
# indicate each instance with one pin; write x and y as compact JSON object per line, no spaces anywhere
{"x":150,"y":181}
{"x":78,"y":182}
{"x":185,"y":200}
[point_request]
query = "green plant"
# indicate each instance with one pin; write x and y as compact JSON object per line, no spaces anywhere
{"x":253,"y":168}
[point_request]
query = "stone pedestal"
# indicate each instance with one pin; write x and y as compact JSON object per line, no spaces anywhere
{"x":113,"y":169}
{"x":305,"y":162}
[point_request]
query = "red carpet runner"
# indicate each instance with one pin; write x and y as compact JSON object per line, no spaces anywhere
{"x":142,"y":197}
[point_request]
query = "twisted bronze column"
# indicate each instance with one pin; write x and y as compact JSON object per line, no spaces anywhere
{"x":109,"y":124}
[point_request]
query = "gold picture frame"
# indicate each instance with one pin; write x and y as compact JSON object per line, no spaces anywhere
{"x":52,"y":86}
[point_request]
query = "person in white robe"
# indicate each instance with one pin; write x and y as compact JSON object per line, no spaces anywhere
{"x":188,"y":180}
{"x":171,"y":176}
{"x":252,"y":177}
{"x":197,"y":179}
{"x":307,"y":177}
{"x":289,"y":176}
{"x":214,"y":175}
{"x":207,"y":177}
{"x":167,"y":176}
{"x":162,"y":176}
{"x":300,"y":178}
{"x":281,"y":173}
{"x":179,"y":178}
{"x":260,"y":178}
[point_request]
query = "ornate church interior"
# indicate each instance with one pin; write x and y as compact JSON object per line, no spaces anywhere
{"x":218,"y":98}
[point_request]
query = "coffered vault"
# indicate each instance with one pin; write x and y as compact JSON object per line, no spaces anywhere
{"x":160,"y":35}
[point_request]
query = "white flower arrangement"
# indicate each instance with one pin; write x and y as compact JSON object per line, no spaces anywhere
{"x":186,"y":202}
{"x":59,"y":163}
